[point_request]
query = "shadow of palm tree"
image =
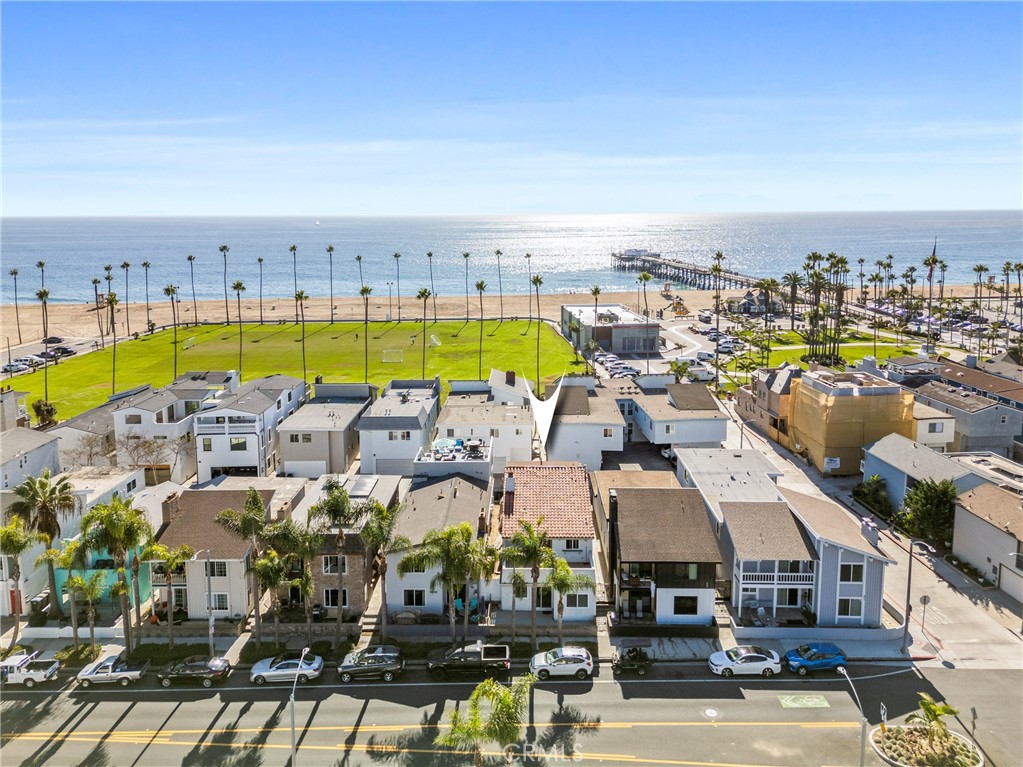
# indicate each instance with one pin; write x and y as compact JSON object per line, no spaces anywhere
{"x":566,"y":725}
{"x":221,"y":747}
{"x":415,"y":749}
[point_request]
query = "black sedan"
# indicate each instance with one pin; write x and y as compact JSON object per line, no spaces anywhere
{"x":53,"y":340}
{"x":64,"y":351}
{"x":197,"y":668}
{"x":374,"y":662}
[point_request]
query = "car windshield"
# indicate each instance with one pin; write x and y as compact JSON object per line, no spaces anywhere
{"x":736,"y":652}
{"x":804,"y":651}
{"x":551,"y":656}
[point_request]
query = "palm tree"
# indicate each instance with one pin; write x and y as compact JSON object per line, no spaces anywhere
{"x":433,"y":290}
{"x":191,"y":272}
{"x":108,"y":275}
{"x":294,"y":269}
{"x":227,"y":313}
{"x":1018,"y":268}
{"x":590,"y":349}
{"x":145,"y":271}
{"x":364,"y":291}
{"x":43,"y":295}
{"x":260,"y":262}
{"x":302,"y":543}
{"x":793,"y":281}
{"x":861,"y":274}
{"x":768,"y":286}
{"x":17,"y":317}
{"x":397,"y":269}
{"x":127,"y":314}
{"x":358,"y":260}
{"x":330,"y":261}
{"x":563,"y":580}
{"x":380,"y":534}
{"x":481,"y":287}
{"x":336,"y":510}
{"x":644,"y":278}
{"x":173,"y":561}
{"x":530,"y":547}
{"x":446,"y":550}
{"x":239,"y":287}
{"x":979,"y":270}
{"x":89,"y":589}
{"x":41,"y":266}
{"x":272,"y":572}
{"x":300,"y":299}
{"x":494,"y":714}
{"x":932,"y":714}
{"x":1006,"y":271}
{"x":518,"y":587}
{"x":15,"y":540}
{"x":119,"y":529}
{"x":171,"y":292}
{"x":500,"y":285}
{"x":537,"y":282}
{"x":679,"y":369}
{"x":99,"y":321}
{"x":249,"y":523}
{"x":424,"y":296}
{"x":595,"y":292}
{"x":717,"y":271}
{"x":529,"y":282}
{"x":112,"y":305}
{"x":71,"y":557}
{"x":480,"y":560}
{"x":43,"y":503}
{"x":465,"y":257}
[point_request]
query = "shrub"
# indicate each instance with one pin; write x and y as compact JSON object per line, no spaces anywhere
{"x":16,"y":650}
{"x":255,"y":651}
{"x":158,"y":653}
{"x":873,"y":494}
{"x":85,"y":655}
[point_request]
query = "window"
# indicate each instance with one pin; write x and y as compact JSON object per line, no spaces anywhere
{"x":239,"y":443}
{"x":133,"y":419}
{"x":686,"y":605}
{"x":495,"y":432}
{"x":850,"y":608}
{"x":293,"y":439}
{"x":935,"y":428}
{"x":191,"y":406}
{"x":159,"y":417}
{"x":416,"y":569}
{"x":608,"y":433}
{"x":217,"y":570}
{"x":307,"y":438}
{"x":577,"y":600}
{"x":1004,"y":419}
{"x":220,"y":419}
{"x":573,"y":544}
{"x":851,"y":574}
{"x":415,"y":597}
{"x":219,"y":600}
{"x":207,"y":444}
{"x":330,"y":598}
{"x":289,"y":396}
{"x":131,"y":486}
{"x":330,"y":565}
{"x":278,"y":404}
{"x":518,"y":432}
{"x":669,"y":428}
{"x":451,"y":433}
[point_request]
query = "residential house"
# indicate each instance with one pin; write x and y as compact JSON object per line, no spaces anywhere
{"x":752,"y":303}
{"x":587,"y":423}
{"x":356,"y":562}
{"x":556,"y":497}
{"x":322,"y":436}
{"x":88,"y":439}
{"x":239,"y":434}
{"x":605,"y":484}
{"x":988,"y":534}
{"x":662,"y":412}
{"x":395,"y":428}
{"x":766,"y":402}
{"x":434,"y":503}
{"x":26,"y":453}
{"x":614,"y":327}
{"x":665,"y":555}
{"x":996,"y":469}
{"x":980,"y":422}
{"x":508,"y":389}
{"x":728,"y":475}
{"x":931,"y":427}
{"x":13,"y":408}
{"x":902,"y":463}
{"x":476,"y":417}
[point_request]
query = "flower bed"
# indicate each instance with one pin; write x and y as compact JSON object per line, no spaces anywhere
{"x":909,"y":747}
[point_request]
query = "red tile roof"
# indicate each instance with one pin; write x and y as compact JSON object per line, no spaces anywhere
{"x":558,"y":492}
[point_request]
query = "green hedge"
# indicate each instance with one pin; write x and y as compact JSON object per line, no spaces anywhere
{"x":85,"y":655}
{"x":158,"y":653}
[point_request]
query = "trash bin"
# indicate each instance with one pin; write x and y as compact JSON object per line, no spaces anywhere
{"x":39,"y":604}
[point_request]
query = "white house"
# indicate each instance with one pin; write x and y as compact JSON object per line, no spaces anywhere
{"x":239,"y":434}
{"x":13,"y":408}
{"x":398,"y":425}
{"x":559,"y":492}
{"x":322,"y":436}
{"x":587,"y":423}
{"x":433,"y":504}
{"x":25,"y":453}
{"x":88,"y":439}
{"x":662,"y":412}
{"x":508,"y":389}
{"x":988,"y":533}
{"x":507,"y":430}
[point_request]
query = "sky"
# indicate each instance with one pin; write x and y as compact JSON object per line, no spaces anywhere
{"x":327,"y":109}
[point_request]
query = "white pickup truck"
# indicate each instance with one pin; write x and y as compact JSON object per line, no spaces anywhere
{"x":113,"y":668}
{"x":28,"y":670}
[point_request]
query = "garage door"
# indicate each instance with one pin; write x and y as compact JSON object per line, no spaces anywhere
{"x":394,"y":466}
{"x":1010,"y":582}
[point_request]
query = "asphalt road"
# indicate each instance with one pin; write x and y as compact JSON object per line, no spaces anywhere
{"x":680,"y":715}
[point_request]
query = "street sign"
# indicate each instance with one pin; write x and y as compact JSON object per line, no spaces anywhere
{"x":925,"y":600}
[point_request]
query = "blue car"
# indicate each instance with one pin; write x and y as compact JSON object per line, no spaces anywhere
{"x":815,"y":656}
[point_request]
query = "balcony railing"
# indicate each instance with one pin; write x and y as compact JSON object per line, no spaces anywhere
{"x":161,"y":579}
{"x":786,"y":578}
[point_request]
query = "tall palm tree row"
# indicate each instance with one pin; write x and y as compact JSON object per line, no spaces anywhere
{"x":793,"y":281}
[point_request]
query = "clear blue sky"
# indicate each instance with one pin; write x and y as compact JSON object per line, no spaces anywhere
{"x":468,"y":108}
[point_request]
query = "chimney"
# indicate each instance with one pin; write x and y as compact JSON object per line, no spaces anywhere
{"x":868,"y":529}
{"x":971,"y":360}
{"x":612,"y":505}
{"x":509,"y":483}
{"x":169,"y":508}
{"x":509,"y":377}
{"x":481,"y":524}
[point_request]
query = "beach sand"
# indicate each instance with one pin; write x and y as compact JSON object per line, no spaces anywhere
{"x":79,"y":320}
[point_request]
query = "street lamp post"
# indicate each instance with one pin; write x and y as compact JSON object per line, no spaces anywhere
{"x":298,"y":670}
{"x":389,"y":315}
{"x":909,"y":587}
{"x":863,"y":717}
{"x":209,"y":595}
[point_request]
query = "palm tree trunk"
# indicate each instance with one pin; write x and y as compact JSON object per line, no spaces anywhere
{"x":122,"y":599}
{"x":383,"y":599}
{"x":52,"y":579}
{"x":135,"y":564}
{"x":73,"y":602}
{"x":561,"y":616}
{"x":451,"y":612}
{"x":170,"y":612}
{"x":532,"y":609}
{"x":16,"y":577}
{"x":17,"y":316}
{"x":277,"y":621}
{"x":465,"y":612}
{"x":92,"y":626}
{"x":341,"y":588}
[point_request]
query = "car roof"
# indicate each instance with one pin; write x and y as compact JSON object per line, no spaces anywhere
{"x":572,"y":652}
{"x":824,"y":647}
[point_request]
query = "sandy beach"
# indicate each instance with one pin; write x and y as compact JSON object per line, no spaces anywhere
{"x":79,"y":320}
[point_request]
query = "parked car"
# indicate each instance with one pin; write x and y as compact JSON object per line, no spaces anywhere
{"x":64,"y":351}
{"x":629,"y":369}
{"x":815,"y":656}
{"x":31,"y":360}
{"x":477,"y":658}
{"x":745,"y":659}
{"x":562,"y":661}
{"x":374,"y":662}
{"x":195,"y":668}
{"x":27,"y":669}
{"x":15,"y":367}
{"x":704,"y":355}
{"x":285,"y":668}
{"x":112,"y":669}
{"x":53,"y":340}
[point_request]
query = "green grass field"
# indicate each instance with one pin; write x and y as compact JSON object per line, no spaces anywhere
{"x":333,"y":351}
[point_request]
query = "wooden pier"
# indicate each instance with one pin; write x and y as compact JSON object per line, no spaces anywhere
{"x":670,"y":270}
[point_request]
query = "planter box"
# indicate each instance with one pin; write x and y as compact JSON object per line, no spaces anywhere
{"x":889,"y":760}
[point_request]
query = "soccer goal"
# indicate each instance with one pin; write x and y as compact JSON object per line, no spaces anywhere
{"x":434,"y":341}
{"x":188,"y":344}
{"x":392,"y":355}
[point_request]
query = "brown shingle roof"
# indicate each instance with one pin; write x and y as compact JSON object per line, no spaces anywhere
{"x":996,"y":506}
{"x":193,"y":522}
{"x":664,"y":525}
{"x":827,"y":520}
{"x":766,"y":530}
{"x":557,"y":491}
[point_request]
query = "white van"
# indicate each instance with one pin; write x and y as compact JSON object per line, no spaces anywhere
{"x":700,"y":374}
{"x":704,"y":356}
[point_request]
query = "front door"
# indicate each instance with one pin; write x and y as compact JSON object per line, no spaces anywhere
{"x":543,"y":599}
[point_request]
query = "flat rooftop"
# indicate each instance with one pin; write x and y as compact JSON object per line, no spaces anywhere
{"x":470,"y":409}
{"x":318,"y":416}
{"x":849,"y":383}
{"x":995,"y":468}
{"x":606,"y":314}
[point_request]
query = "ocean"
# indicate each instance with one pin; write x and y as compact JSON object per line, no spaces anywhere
{"x":571,"y":253}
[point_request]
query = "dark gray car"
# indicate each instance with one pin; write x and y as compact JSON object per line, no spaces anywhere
{"x":374,"y":662}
